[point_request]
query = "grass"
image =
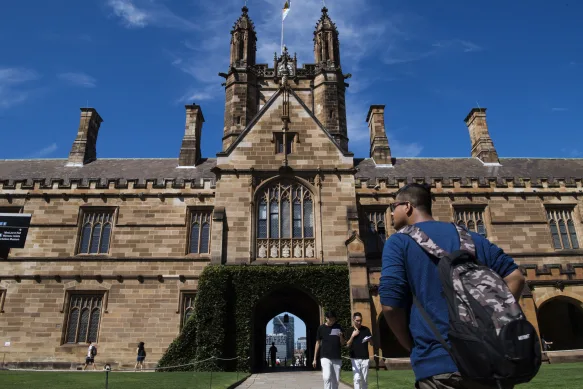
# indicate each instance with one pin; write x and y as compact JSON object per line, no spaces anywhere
{"x":96,"y":380}
{"x":559,"y":376}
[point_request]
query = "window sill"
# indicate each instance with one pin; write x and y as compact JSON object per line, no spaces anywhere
{"x":77,"y":345}
{"x":199,"y":256}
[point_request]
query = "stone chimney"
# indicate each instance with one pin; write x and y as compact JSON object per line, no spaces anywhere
{"x":380,"y":151}
{"x":190,"y":151}
{"x":84,"y":148}
{"x":482,"y":145}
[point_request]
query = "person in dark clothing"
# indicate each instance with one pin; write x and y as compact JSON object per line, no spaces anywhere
{"x":329,"y":339}
{"x":141,"y":351}
{"x":273,"y":354}
{"x":407,"y":269}
{"x":359,"y":338}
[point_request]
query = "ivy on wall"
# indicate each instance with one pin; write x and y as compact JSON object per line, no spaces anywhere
{"x":221,"y":324}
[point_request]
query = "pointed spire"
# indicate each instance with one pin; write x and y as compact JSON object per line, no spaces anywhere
{"x":244,"y":22}
{"x":243,"y":41}
{"x":325,"y":23}
{"x":326,"y":42}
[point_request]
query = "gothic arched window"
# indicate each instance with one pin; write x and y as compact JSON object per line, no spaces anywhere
{"x":285,"y":222}
{"x":83,"y":319}
{"x":562,"y":228}
{"x":96,"y":231}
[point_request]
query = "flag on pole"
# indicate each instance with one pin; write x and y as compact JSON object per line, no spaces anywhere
{"x":285,"y":10}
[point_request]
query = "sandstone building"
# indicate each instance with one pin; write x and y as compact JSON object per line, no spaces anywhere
{"x":116,"y":246}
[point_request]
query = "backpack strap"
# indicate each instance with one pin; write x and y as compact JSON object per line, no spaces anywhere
{"x":432,"y":249}
{"x":424,"y":241}
{"x":466,"y":241}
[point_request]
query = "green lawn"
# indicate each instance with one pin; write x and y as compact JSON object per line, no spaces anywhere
{"x":96,"y":380}
{"x":559,"y":376}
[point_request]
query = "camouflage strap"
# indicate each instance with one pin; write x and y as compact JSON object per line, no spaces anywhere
{"x":466,"y":241}
{"x":423,"y":240}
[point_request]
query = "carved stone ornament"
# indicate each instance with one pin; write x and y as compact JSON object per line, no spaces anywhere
{"x":273,"y":252}
{"x":309,"y":251}
{"x":297,"y":251}
{"x":262,"y":251}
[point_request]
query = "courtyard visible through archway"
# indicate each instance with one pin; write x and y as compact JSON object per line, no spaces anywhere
{"x":284,"y":300}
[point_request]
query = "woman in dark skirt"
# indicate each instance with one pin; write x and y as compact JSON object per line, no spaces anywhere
{"x":141,"y":351}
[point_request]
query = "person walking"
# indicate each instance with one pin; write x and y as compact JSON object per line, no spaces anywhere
{"x":329,"y":339}
{"x":90,"y":358}
{"x":141,"y":351}
{"x":409,"y":272}
{"x":359,"y":337}
{"x":273,"y":354}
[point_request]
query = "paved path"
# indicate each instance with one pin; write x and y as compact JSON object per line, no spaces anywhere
{"x":295,"y":380}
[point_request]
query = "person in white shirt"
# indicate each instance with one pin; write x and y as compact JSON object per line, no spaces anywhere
{"x":90,"y":358}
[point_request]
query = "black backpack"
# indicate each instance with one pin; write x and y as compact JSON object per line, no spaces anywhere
{"x":491,"y":340}
{"x":93,"y":351}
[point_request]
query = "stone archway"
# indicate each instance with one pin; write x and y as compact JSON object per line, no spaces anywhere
{"x":283,"y":299}
{"x":389,"y":345}
{"x":560,"y":321}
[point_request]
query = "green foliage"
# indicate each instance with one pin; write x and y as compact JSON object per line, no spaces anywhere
{"x":224,"y":305}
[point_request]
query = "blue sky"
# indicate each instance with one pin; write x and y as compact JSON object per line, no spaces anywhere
{"x":299,"y":326}
{"x":139,"y":61}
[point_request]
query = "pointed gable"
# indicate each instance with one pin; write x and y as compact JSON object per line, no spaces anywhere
{"x":312,"y":145}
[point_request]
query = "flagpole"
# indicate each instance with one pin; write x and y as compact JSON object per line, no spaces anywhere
{"x":282,"y":35}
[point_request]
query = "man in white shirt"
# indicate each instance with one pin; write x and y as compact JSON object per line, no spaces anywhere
{"x":90,"y":358}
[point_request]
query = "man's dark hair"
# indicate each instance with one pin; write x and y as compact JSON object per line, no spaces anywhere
{"x":357,"y":314}
{"x":419,"y":195}
{"x":330,"y":314}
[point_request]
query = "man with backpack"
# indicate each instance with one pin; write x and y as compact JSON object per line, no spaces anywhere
{"x":451,"y":298}
{"x":90,"y":358}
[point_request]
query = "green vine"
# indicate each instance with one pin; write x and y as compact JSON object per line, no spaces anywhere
{"x":221,"y":324}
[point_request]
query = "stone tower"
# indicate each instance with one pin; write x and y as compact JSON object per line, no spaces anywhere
{"x":241,"y":90}
{"x":329,"y":86}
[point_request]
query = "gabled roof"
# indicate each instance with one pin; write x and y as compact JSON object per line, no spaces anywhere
{"x":104,"y":170}
{"x":535,"y":169}
{"x":264,"y":109}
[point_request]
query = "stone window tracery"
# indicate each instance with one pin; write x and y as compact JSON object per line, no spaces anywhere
{"x":200,"y":228}
{"x":285,"y":222}
{"x":472,"y":219}
{"x":374,"y":230}
{"x":187,"y":308}
{"x":562,"y":228}
{"x":83,"y":318}
{"x":96,"y":231}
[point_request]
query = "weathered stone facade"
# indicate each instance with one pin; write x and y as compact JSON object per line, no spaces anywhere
{"x":168,"y":219}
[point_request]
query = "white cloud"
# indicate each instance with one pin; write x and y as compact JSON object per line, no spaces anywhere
{"x":559,"y":109}
{"x":572,"y":153}
{"x":418,"y":50}
{"x":12,"y":90}
{"x":404,"y":149}
{"x":194,"y":96}
{"x":78,"y":79}
{"x":44,"y":152}
{"x":141,"y":13}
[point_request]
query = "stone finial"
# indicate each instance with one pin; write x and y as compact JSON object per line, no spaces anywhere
{"x":482,"y":145}
{"x":380,"y":151}
{"x":243,"y":41}
{"x":190,"y":153}
{"x":84,"y":147}
{"x":326,"y":42}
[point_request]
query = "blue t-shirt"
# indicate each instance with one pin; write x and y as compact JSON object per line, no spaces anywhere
{"x":428,"y":356}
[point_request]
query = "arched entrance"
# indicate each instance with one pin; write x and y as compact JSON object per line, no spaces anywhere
{"x":283,"y":299}
{"x":560,"y":321}
{"x":390,"y":346}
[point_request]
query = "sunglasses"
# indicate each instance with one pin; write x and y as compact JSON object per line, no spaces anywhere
{"x":396,"y":204}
